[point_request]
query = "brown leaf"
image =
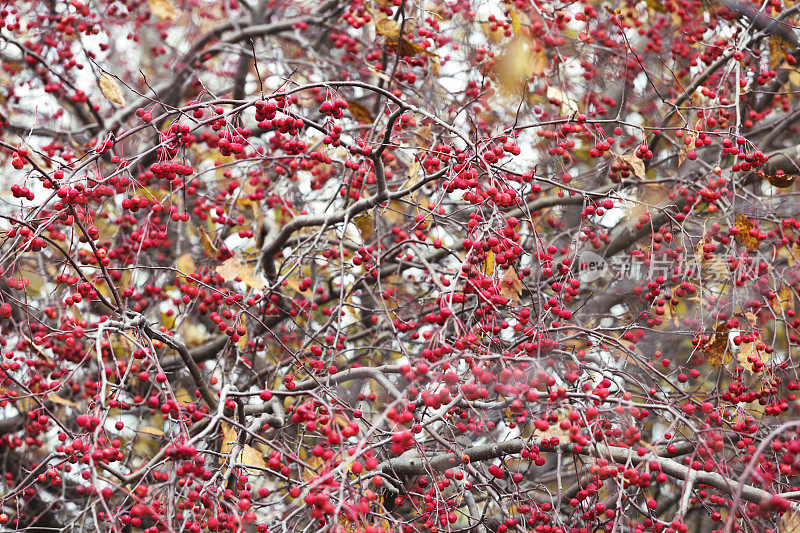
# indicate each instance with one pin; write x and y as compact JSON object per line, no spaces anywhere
{"x":150,"y":430}
{"x":163,"y":9}
{"x":790,"y":522}
{"x":359,"y":112}
{"x":111,"y":90}
{"x":686,"y":147}
{"x":716,"y":349}
{"x":407,"y":48}
{"x":511,"y":285}
{"x":364,"y":224}
{"x":780,"y":180}
{"x":635,"y":164}
{"x":656,"y":5}
{"x":422,"y":135}
{"x":744,"y":238}
{"x":208,"y":245}
{"x":233,"y":268}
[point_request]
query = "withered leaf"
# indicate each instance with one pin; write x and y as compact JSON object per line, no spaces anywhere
{"x":744,"y":237}
{"x":716,"y":349}
{"x":163,"y":9}
{"x":780,"y":180}
{"x":359,"y":112}
{"x":364,"y":224}
{"x":635,"y":164}
{"x":511,"y":285}
{"x":208,"y":245}
{"x":232,"y":268}
{"x":388,"y":27}
{"x":111,"y":90}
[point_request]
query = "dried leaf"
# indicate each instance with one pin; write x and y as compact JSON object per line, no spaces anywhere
{"x":520,"y":60}
{"x":56,"y":399}
{"x":783,"y":301}
{"x":163,"y":9}
{"x":242,"y":344}
{"x":635,"y":164}
{"x":406,"y":48}
{"x":790,"y":522}
{"x":364,"y":224}
{"x":778,"y":48}
{"x":233,"y":268}
{"x":780,"y":180}
{"x":489,"y":263}
{"x":568,"y":105}
{"x":744,"y":238}
{"x":656,"y":5}
{"x":249,"y":456}
{"x":515,"y":23}
{"x":185,"y":264}
{"x":359,"y":112}
{"x":748,"y":350}
{"x":716,"y":349}
{"x":208,"y":245}
{"x":150,"y":430}
{"x":686,"y":147}
{"x":111,"y":90}
{"x":422,"y":136}
{"x":511,"y":285}
{"x":538,"y":61}
{"x":388,"y":27}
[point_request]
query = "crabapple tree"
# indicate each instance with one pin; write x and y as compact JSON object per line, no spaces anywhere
{"x":417,"y":266}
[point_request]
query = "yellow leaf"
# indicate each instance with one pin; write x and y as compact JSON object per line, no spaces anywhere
{"x":517,"y":64}
{"x":242,"y":344}
{"x":783,"y":301}
{"x":489,"y":263}
{"x":538,"y":61}
{"x":111,"y":90}
{"x":150,"y":430}
{"x":635,"y":164}
{"x":55,"y":398}
{"x":249,"y":456}
{"x":748,"y":350}
{"x":163,"y":9}
{"x":192,"y":334}
{"x":744,"y":238}
{"x":208,"y":245}
{"x":778,"y":48}
{"x":186,"y":264}
{"x":515,"y":24}
{"x":232,"y":269}
{"x":656,"y":5}
{"x":388,"y":27}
